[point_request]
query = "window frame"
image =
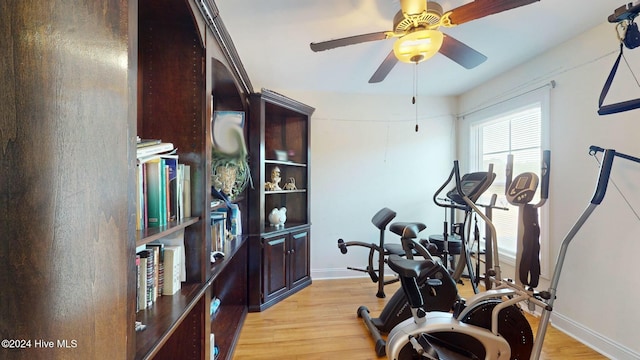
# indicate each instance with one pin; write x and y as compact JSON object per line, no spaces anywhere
{"x":490,"y":115}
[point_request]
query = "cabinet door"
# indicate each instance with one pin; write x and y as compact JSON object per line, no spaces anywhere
{"x":299,"y":257}
{"x":274,"y":266}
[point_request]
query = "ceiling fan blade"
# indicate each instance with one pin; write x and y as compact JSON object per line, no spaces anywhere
{"x":383,"y":70}
{"x":480,"y":8}
{"x":351,"y":40}
{"x":461,"y":53}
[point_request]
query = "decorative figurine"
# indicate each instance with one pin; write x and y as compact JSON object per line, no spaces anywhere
{"x":290,"y":184}
{"x":275,"y":178}
{"x":277,"y":217}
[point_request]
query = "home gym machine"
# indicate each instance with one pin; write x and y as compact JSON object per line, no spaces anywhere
{"x":377,"y":252}
{"x":463,"y":335}
{"x":455,"y":237}
{"x":520,"y":192}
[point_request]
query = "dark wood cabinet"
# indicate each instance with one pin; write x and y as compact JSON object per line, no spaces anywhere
{"x":285,"y":263}
{"x":280,"y":152}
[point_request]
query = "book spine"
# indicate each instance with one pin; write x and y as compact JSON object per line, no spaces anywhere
{"x":171,"y":162}
{"x":154,"y":192}
{"x":187,"y":191}
{"x":138,"y":283}
{"x":150,"y":281}
{"x":163,"y":193}
{"x":172,"y":266}
{"x":142,"y":294}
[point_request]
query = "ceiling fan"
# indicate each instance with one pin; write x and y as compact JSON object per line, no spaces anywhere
{"x":416,"y":27}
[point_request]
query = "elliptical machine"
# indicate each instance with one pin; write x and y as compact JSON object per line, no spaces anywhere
{"x":520,"y":192}
{"x":455,"y":238}
{"x":491,"y":325}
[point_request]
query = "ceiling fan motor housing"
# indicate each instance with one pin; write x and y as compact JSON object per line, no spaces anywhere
{"x":405,"y":21}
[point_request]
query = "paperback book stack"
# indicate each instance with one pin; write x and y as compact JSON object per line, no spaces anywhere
{"x":163,"y":185}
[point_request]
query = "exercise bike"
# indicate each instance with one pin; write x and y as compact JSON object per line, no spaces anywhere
{"x":490,"y":325}
{"x":434,"y":284}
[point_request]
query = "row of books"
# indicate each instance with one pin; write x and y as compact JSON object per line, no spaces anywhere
{"x":163,"y":185}
{"x":218,"y":230}
{"x":159,"y":268}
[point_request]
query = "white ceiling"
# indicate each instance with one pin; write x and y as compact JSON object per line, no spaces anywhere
{"x":272,"y":38}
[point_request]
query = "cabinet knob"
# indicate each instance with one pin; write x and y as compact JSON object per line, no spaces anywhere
{"x":293,"y":251}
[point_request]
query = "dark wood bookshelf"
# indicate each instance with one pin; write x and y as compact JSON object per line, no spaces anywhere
{"x":188,"y":69}
{"x":279,"y":258}
{"x":71,"y":191}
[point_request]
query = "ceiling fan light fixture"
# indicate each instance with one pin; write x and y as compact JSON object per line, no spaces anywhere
{"x":418,"y":46}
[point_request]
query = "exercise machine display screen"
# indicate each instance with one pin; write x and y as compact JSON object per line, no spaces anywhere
{"x":472,"y":185}
{"x":522,"y":188}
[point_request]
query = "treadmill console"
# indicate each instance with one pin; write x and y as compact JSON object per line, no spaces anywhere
{"x":522,"y":188}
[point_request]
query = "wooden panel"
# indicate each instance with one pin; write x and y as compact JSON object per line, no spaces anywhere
{"x":66,"y":138}
{"x":188,"y":340}
{"x":299,"y":258}
{"x":274,"y":270}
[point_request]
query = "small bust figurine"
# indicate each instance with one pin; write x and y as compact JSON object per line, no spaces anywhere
{"x":275,"y":178}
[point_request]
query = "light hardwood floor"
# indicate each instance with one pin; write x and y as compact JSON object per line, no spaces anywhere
{"x":320,"y":322}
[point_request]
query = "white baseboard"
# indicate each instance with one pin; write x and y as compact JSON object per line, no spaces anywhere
{"x":590,"y":338}
{"x":340,"y":273}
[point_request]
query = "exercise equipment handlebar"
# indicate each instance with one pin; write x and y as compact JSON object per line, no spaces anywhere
{"x":546,"y":167}
{"x":605,"y":170}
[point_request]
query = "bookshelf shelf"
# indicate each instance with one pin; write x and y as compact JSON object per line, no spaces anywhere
{"x":148,"y":235}
{"x":275,"y":192}
{"x":284,"y":163}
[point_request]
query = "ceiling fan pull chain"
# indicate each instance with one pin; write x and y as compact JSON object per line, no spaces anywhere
{"x":415,"y":92}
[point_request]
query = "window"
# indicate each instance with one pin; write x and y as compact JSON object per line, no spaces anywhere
{"x":515,"y":127}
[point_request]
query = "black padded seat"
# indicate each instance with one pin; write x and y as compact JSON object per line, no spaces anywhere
{"x":394,"y":249}
{"x":409,"y":268}
{"x":455,"y":243}
{"x":407,"y":229}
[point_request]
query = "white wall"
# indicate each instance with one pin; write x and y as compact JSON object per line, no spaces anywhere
{"x":365,"y":155}
{"x":598,"y":291}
